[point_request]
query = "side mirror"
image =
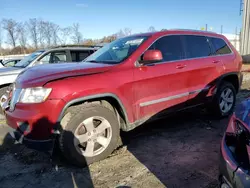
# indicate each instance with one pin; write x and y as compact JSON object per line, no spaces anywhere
{"x":151,"y":56}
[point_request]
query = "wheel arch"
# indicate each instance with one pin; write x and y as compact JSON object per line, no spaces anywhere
{"x":111,"y":98}
{"x":232,"y":77}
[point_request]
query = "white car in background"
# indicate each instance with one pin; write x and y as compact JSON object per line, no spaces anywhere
{"x":9,"y":62}
{"x":8,"y":75}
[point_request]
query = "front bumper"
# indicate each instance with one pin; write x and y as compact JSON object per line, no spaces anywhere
{"x":35,"y":121}
{"x":230,"y":171}
{"x":40,"y":145}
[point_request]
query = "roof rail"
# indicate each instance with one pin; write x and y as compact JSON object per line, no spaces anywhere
{"x":73,"y":45}
{"x":192,"y":30}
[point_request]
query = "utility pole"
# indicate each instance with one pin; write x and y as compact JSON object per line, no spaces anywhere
{"x":206,"y":27}
{"x":245,"y":40}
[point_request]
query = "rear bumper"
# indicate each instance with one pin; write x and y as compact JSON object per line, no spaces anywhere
{"x":230,"y":171}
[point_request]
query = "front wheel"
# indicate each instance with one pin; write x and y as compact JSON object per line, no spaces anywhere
{"x":90,"y":135}
{"x":224,"y":100}
{"x":3,"y":96}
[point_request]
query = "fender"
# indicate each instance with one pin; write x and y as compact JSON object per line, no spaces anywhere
{"x":97,"y":96}
{"x":221,"y":78}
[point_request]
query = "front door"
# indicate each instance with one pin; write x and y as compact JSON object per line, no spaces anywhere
{"x":162,"y":85}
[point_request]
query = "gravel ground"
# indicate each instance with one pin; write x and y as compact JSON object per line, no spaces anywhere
{"x":179,"y":151}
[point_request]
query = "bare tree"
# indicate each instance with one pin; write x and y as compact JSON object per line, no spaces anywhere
{"x":124,"y":32}
{"x":55,"y":33}
{"x":22,"y":30}
{"x":43,"y":37}
{"x":33,"y":26}
{"x":11,"y":27}
{"x":151,"y":29}
{"x":45,"y":33}
{"x":64,"y":35}
{"x":77,"y":36}
{"x":127,"y":31}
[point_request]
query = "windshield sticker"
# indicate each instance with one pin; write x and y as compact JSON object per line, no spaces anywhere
{"x":136,"y":41}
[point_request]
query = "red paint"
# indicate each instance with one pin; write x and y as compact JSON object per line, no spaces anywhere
{"x":133,"y":85}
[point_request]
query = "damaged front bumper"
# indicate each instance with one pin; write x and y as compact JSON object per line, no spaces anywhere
{"x":40,"y":145}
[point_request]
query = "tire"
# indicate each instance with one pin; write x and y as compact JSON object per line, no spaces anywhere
{"x":76,"y":116}
{"x":215,"y":108}
{"x":2,"y":92}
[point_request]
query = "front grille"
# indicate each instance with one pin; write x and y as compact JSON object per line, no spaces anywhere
{"x":15,"y":97}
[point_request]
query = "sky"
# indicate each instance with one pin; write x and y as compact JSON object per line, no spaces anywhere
{"x":98,"y":18}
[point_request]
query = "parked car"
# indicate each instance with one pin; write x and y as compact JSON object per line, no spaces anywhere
{"x":10,"y":62}
{"x":235,"y":149}
{"x":132,"y":80}
{"x":49,"y":56}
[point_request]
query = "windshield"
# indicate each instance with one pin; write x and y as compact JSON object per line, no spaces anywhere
{"x":27,"y":60}
{"x":117,"y":51}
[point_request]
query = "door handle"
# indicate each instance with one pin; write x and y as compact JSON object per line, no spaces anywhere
{"x":180,"y":66}
{"x":216,"y":61}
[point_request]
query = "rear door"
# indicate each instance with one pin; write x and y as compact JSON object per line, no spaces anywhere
{"x":163,"y":85}
{"x":203,"y":67}
{"x":222,"y":52}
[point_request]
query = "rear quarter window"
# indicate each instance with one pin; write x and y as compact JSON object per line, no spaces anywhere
{"x":220,"y":46}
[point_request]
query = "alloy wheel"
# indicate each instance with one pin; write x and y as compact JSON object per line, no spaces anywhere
{"x":92,"y":136}
{"x":226,"y":100}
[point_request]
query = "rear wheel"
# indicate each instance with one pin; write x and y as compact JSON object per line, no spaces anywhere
{"x":90,"y":135}
{"x":224,"y":100}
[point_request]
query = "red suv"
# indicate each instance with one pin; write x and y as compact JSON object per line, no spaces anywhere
{"x":124,"y":84}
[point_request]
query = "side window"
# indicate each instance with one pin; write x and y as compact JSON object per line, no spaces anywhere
{"x":73,"y":56}
{"x":196,"y":46}
{"x":78,"y":55}
{"x":83,"y":55}
{"x":59,"y":57}
{"x":170,"y":47}
{"x":91,"y":52}
{"x":45,"y":59}
{"x":10,"y":64}
{"x":220,"y":46}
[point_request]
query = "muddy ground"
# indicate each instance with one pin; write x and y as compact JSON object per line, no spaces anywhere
{"x":179,"y":151}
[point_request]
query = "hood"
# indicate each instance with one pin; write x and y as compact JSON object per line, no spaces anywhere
{"x":4,"y":71}
{"x":41,"y":74}
{"x":242,"y":111}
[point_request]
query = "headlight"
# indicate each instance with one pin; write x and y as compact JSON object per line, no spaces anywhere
{"x":34,"y":95}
